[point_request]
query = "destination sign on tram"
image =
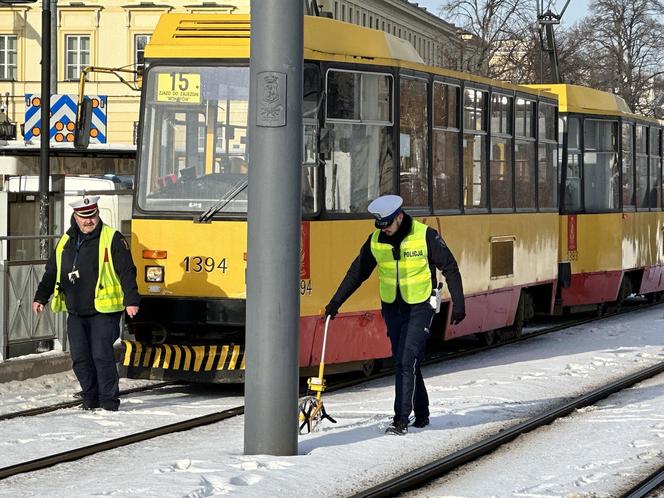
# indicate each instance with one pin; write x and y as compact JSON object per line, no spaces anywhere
{"x":179,"y":87}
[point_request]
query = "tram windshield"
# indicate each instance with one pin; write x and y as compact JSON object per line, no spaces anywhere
{"x":194,"y":138}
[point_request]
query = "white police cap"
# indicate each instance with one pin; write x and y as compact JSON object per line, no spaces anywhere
{"x":385,"y":208}
{"x":85,"y":207}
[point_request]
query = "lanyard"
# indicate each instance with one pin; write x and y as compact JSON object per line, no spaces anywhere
{"x":79,"y":242}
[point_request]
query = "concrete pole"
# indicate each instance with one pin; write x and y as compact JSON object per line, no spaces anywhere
{"x":44,"y":136}
{"x":273,"y":255}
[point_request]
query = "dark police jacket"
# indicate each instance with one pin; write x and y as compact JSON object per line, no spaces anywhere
{"x":439,"y":257}
{"x":80,"y":295}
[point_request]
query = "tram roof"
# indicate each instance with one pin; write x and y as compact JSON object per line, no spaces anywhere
{"x":584,"y":100}
{"x":227,"y":35}
{"x":221,"y":36}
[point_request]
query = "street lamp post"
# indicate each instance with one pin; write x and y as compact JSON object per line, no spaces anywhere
{"x":45,"y":134}
{"x":45,"y":131}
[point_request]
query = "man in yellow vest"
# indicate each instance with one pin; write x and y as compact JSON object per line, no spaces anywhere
{"x":407,"y":254}
{"x":91,"y":274}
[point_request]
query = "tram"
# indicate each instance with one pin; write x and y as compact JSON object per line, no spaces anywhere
{"x":477,"y":159}
{"x":611,"y":222}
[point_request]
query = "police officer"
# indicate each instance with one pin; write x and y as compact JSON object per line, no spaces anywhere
{"x":91,"y":274}
{"x":407,"y":254}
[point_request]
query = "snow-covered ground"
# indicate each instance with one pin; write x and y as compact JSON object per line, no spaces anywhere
{"x":596,"y":452}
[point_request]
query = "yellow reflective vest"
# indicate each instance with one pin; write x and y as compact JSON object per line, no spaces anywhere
{"x":410,"y":273}
{"x":109,"y":297}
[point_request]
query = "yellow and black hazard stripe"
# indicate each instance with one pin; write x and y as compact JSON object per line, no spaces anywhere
{"x":183,"y":357}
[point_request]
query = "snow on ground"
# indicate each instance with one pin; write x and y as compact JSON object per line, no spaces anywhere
{"x":627,"y":435}
{"x":470,"y":397}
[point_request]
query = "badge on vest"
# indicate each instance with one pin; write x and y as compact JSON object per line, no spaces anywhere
{"x":73,"y":275}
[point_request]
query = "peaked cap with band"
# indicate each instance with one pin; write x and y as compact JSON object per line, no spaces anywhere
{"x":385,"y":208}
{"x":86,"y":207}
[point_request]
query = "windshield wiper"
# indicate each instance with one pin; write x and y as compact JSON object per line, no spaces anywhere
{"x":221,"y":203}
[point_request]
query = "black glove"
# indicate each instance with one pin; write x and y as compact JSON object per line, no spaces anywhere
{"x":332,"y":309}
{"x":457,"y":317}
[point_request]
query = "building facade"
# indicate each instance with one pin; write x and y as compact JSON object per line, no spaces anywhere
{"x":113,"y":34}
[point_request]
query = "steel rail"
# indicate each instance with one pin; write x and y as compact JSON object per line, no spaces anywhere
{"x":31,"y":412}
{"x":647,"y":485}
{"x":423,"y":475}
{"x":78,"y":453}
{"x":82,"y":452}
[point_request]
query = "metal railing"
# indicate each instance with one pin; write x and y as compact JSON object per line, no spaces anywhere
{"x":21,"y":331}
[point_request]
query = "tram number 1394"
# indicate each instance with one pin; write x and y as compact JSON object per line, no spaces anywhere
{"x":198,"y":264}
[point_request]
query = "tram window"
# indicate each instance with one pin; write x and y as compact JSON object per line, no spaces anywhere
{"x":360,"y":167}
{"x":445,"y":105}
{"x":474,"y":149}
{"x":548,"y":175}
{"x":343,"y":95}
{"x":600,"y":165}
{"x":628,"y":165}
{"x":547,"y":121}
{"x":655,"y":199}
{"x":446,"y":146}
{"x":413,"y":146}
{"x":641,"y":166}
{"x":500,"y":164}
{"x":500,"y":160}
{"x":193,"y":149}
{"x":353,"y":96}
{"x":525,"y":118}
{"x":501,"y":114}
{"x":525,"y":174}
{"x":474,"y":118}
{"x":310,"y":90}
{"x":573,"y":172}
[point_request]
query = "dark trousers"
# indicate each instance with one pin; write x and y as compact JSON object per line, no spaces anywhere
{"x":91,"y":341}
{"x":408,"y":330}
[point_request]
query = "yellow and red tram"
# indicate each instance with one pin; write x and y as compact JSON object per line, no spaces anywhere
{"x":474,"y":158}
{"x":611,"y":222}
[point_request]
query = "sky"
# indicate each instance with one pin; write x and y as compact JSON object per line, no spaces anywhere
{"x":597,"y":451}
{"x":575,"y":10}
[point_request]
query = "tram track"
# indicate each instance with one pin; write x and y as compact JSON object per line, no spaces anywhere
{"x":436,"y":469}
{"x":646,"y":486}
{"x":31,"y":412}
{"x":502,"y":438}
{"x":84,"y":451}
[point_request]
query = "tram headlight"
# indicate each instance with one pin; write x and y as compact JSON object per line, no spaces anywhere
{"x":154,"y":273}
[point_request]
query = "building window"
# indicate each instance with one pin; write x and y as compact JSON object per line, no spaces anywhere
{"x":77,"y":56}
{"x":139,"y":51}
{"x":8,"y":57}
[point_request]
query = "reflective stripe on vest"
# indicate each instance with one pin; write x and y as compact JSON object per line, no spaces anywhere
{"x":412,"y":270}
{"x":108,"y":291}
{"x":58,"y":301}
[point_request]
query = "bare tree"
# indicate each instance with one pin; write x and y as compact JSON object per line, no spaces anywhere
{"x":619,"y":48}
{"x":498,"y":26}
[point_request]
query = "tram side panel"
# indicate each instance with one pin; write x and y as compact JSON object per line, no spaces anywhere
{"x":643,"y":250}
{"x":500,"y":256}
{"x":592,"y":244}
{"x":606,"y":249}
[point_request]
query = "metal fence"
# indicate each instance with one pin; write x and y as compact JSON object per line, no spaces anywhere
{"x":21,"y":330}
